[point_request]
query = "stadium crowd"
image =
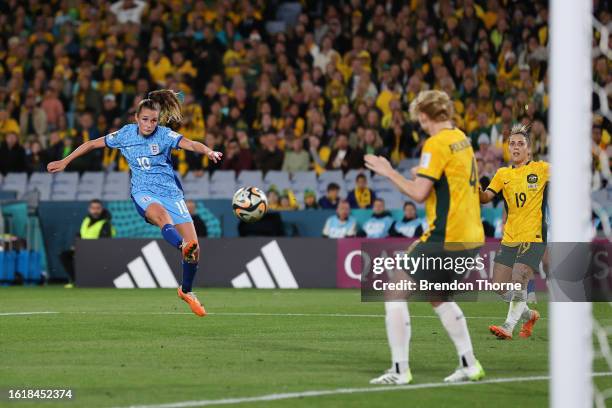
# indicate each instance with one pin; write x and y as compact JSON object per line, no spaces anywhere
{"x":332,"y":87}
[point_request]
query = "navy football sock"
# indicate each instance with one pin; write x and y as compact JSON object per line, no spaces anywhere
{"x":189,"y":271}
{"x":531,"y":286}
{"x":171,"y":235}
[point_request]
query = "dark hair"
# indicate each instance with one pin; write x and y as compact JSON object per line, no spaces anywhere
{"x":95,"y":201}
{"x":333,"y":186}
{"x":166,"y":102}
{"x":361,"y":176}
{"x":409,"y":203}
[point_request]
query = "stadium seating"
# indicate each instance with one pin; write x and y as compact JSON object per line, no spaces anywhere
{"x":15,"y":182}
{"x":63,"y":195}
{"x":277,"y":178}
{"x":90,"y":185}
{"x":380,"y":184}
{"x":222,"y":184}
{"x":116,"y":186}
{"x":407,"y":164}
{"x":349,"y":178}
{"x":301,"y":181}
{"x":118,"y":177}
{"x":196,"y":188}
{"x":222,"y":175}
{"x":92,"y":178}
{"x":331,"y":176}
{"x":66,"y":178}
{"x":40,"y":178}
{"x":42,"y":183}
{"x":393,"y":199}
{"x":249,"y":178}
{"x":64,"y":187}
{"x":44,"y":191}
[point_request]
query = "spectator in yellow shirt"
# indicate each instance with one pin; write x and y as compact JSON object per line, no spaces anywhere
{"x":183,"y":66}
{"x":7,"y":124}
{"x":233,"y":59}
{"x":159,"y":66}
{"x":109,"y":84}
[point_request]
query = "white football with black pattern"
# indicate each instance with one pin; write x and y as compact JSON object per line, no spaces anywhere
{"x":249,"y":204}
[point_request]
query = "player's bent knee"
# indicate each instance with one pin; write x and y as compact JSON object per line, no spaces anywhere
{"x":157,"y":215}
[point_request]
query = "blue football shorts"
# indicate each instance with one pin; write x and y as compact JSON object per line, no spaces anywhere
{"x":177,"y":209}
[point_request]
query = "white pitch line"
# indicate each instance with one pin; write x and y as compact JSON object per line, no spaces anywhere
{"x":320,"y":393}
{"x":24,"y":313}
{"x":335,"y":315}
{"x":254,"y":314}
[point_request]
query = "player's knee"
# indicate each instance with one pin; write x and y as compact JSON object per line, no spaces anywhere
{"x":152,"y":213}
{"x":157,"y":215}
{"x":521,"y":273}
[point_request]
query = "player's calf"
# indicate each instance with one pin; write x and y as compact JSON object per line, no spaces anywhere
{"x":171,"y":235}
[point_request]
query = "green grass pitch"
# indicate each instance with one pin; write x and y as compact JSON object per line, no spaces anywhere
{"x":116,"y":348}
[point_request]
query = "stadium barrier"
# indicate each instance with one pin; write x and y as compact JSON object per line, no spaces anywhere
{"x":232,"y":262}
{"x":60,"y":222}
{"x":226,"y":262}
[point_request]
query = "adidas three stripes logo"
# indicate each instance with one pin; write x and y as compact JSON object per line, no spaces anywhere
{"x":140,"y":276}
{"x":151,"y":270}
{"x":258,"y":275}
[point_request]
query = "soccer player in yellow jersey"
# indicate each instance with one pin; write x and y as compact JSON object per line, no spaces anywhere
{"x":523,"y":186}
{"x":446,"y":180}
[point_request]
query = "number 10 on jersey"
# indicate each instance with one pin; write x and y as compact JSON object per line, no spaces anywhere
{"x":182,"y":207}
{"x":144,"y":163}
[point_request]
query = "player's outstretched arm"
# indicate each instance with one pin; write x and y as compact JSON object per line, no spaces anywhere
{"x":495,"y":186}
{"x":417,"y":189}
{"x":60,"y":165}
{"x":197,"y":147}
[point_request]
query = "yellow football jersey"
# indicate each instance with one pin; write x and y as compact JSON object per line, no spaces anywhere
{"x":524,"y":191}
{"x":453,"y":207}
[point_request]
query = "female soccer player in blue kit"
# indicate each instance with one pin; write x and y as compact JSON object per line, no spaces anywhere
{"x":156,"y":192}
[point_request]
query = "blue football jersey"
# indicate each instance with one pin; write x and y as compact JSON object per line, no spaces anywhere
{"x":149,"y":159}
{"x":378,"y":227}
{"x":335,"y":228}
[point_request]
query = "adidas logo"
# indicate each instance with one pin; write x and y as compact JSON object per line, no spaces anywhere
{"x":139,"y":275}
{"x":259,"y":275}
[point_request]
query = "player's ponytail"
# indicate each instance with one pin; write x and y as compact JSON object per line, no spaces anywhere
{"x":521,"y":129}
{"x":167,"y":103}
